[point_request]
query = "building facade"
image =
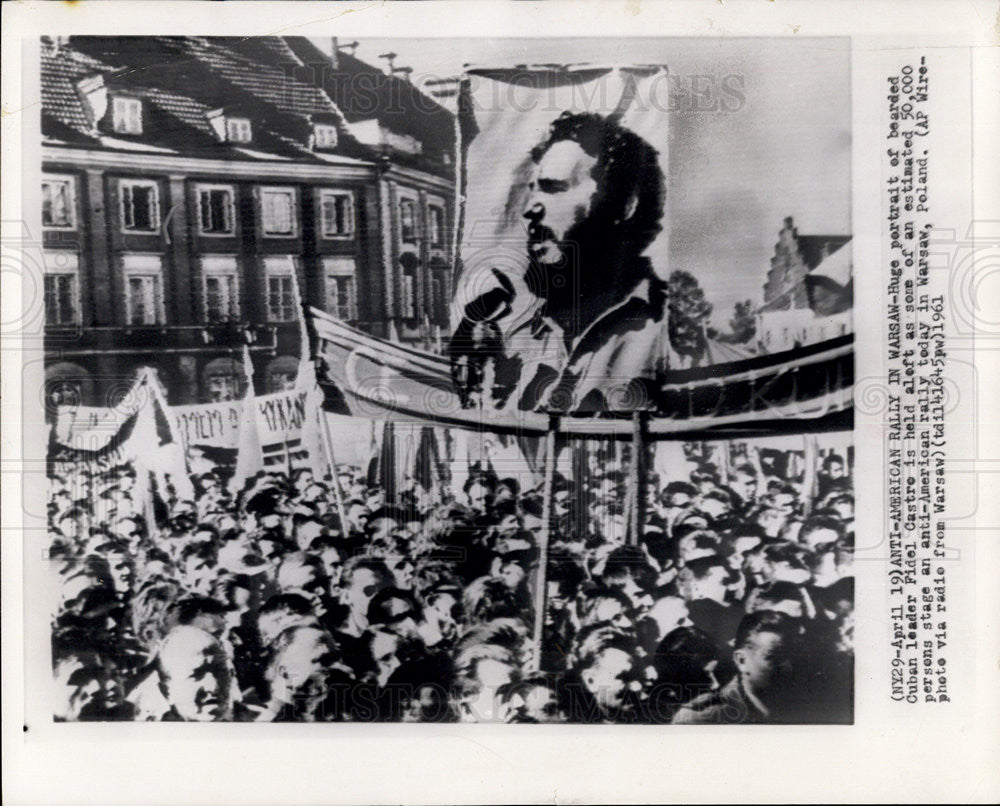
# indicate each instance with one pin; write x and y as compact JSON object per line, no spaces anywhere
{"x":193,"y":187}
{"x":808,"y":293}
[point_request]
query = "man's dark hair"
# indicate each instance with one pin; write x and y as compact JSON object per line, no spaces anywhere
{"x":818,"y":523}
{"x":754,"y":624}
{"x":771,"y":593}
{"x":626,"y":166}
{"x":291,"y":602}
{"x":380,"y":612}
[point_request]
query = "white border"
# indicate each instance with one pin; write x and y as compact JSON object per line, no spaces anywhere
{"x":884,"y":757}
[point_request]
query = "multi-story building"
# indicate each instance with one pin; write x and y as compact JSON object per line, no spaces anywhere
{"x":808,"y":293}
{"x":190,"y":184}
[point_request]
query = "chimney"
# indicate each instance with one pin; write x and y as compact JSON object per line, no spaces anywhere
{"x":335,"y":54}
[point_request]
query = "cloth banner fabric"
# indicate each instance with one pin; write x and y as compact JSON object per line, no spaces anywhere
{"x":805,"y":389}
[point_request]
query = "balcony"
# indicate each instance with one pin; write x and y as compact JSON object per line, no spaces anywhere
{"x":160,"y":338}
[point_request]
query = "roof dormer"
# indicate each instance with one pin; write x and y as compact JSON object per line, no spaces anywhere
{"x":325,"y":136}
{"x":94,"y":95}
{"x":238,"y":130}
{"x":126,"y":114}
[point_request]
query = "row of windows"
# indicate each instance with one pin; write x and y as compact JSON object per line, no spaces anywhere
{"x":140,"y":208}
{"x":127,"y":118}
{"x":143,"y":296}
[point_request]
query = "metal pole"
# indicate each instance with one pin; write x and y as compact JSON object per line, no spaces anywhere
{"x":543,"y":537}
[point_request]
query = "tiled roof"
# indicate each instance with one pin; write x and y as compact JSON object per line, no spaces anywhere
{"x":181,"y":79}
{"x":62,"y":68}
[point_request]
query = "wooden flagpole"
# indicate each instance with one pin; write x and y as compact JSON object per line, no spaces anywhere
{"x":543,"y":537}
{"x":334,"y":473}
{"x":636,"y":486}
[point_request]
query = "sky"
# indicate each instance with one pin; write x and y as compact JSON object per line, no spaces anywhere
{"x":777,"y":144}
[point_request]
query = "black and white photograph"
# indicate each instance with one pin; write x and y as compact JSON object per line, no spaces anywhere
{"x":468,"y":380}
{"x":469,"y":401}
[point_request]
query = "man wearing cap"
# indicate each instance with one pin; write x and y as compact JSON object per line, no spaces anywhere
{"x":584,"y":328}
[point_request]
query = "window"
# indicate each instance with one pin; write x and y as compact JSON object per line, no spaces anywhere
{"x":221,"y":289}
{"x":336,"y":214}
{"x":140,"y":205}
{"x":436,"y":225}
{"x":215,"y":209}
{"x":439,"y":291}
{"x":408,"y":221}
{"x":62,"y":290}
{"x":326,"y":136}
{"x":341,"y":287}
{"x":277,"y":211}
{"x":238,"y":130}
{"x":126,"y":115}
{"x":408,"y":280}
{"x":58,"y":202}
{"x":281,"y":303}
{"x":143,"y":278}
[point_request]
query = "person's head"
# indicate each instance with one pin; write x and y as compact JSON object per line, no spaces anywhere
{"x":605,"y":606}
{"x":677,"y":494}
{"x":487,"y":598}
{"x":841,"y":505}
{"x":122,"y":568}
{"x":628,"y":569}
{"x":743,"y":482}
{"x":480,"y":671}
{"x":605,"y":664}
{"x":363,"y":578}
{"x":696,"y":544}
{"x":529,"y":701}
{"x":686,"y":662}
{"x":742,"y":539}
{"x":194,"y":675}
{"x":306,"y":529}
{"x":833,"y":466}
{"x":478,"y":495}
{"x":820,"y":531}
{"x":704,"y":578}
{"x":88,"y":682}
{"x":668,"y":613}
{"x":281,"y":612}
{"x":771,"y":519}
{"x":787,"y":562}
{"x":778,"y":597}
{"x":764,"y":652}
{"x":197,"y":565}
{"x":394,"y":610}
{"x":513,"y":558}
{"x":383,"y":646}
{"x":331,"y":556}
{"x":593,"y":185}
{"x":442,"y":608}
{"x":297,"y":674}
{"x":402,"y":569}
{"x":300,"y":571}
{"x":203,"y":612}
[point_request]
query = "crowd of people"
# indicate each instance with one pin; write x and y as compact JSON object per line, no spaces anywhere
{"x":301,"y":598}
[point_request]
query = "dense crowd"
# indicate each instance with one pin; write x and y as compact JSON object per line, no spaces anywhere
{"x":735,"y":604}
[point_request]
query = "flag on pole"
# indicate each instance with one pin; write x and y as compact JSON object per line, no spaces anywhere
{"x":250,"y":457}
